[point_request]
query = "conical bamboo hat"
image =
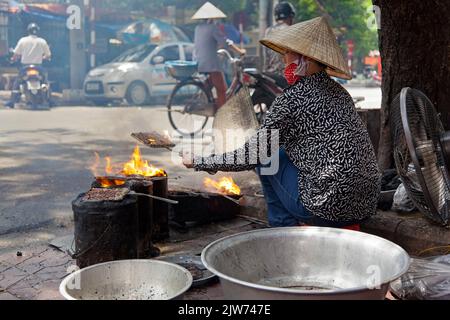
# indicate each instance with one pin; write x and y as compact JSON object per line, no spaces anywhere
{"x":208,"y":11}
{"x":315,"y":39}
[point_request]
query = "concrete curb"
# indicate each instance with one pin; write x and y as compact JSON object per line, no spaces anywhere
{"x":411,"y":231}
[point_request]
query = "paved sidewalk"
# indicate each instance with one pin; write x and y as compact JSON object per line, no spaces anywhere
{"x":35,"y":274}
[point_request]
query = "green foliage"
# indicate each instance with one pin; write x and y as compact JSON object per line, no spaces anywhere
{"x":348,"y":18}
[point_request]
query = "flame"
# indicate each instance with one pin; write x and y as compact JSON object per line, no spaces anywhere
{"x":95,"y":164}
{"x":107,"y":183}
{"x":108,"y":168}
{"x":137,"y":166}
{"x":225,"y":185}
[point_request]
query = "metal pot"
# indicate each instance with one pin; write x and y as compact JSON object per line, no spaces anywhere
{"x":305,"y":263}
{"x":127,"y":280}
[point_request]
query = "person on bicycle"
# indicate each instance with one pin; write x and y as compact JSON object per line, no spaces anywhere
{"x":32,"y":50}
{"x":273,"y":61}
{"x":313,"y":153}
{"x":207,"y":40}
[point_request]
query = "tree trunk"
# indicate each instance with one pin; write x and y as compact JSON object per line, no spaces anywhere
{"x":415,"y":51}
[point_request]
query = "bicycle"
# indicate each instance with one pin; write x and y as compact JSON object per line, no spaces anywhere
{"x":191,"y":103}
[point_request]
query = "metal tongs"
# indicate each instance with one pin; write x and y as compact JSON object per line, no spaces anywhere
{"x":154,"y":197}
{"x":145,"y":195}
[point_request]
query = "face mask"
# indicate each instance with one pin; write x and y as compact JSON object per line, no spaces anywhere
{"x":295,"y":71}
{"x":289,"y":73}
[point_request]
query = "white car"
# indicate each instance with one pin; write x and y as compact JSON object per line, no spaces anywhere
{"x":137,"y":75}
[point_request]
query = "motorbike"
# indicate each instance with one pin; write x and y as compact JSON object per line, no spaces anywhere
{"x":35,"y":88}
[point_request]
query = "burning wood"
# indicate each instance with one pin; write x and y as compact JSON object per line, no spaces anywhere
{"x":225,"y":186}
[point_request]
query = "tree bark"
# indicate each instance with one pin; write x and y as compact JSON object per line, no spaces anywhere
{"x":415,"y":51}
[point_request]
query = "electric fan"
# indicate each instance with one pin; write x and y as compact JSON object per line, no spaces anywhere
{"x":422,"y":153}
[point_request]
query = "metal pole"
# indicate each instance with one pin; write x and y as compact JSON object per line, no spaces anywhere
{"x":263,"y":25}
{"x":78,"y":50}
{"x":92,"y":31}
{"x":263,"y":10}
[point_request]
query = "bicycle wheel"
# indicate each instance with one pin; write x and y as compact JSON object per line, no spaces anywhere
{"x":186,"y":107}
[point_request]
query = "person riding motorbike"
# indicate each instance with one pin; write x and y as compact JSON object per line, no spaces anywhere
{"x":31,"y":50}
{"x":273,"y":62}
{"x":208,"y":38}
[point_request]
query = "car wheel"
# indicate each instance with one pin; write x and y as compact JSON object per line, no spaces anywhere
{"x":137,"y":94}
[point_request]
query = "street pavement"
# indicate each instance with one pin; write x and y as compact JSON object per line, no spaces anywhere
{"x":372,"y":96}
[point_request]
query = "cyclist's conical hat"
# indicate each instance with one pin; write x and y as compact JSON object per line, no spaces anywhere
{"x":208,"y":11}
{"x":313,"y":38}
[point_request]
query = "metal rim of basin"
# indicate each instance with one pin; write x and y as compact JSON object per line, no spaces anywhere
{"x":67,"y":296}
{"x":298,"y":291}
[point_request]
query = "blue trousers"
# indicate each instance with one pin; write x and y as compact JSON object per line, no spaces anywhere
{"x":283,"y":200}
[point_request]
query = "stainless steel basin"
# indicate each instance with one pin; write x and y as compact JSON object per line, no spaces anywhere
{"x":127,"y":280}
{"x":305,"y":263}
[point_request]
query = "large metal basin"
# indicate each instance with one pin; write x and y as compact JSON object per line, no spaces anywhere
{"x":305,"y":263}
{"x":127,"y":280}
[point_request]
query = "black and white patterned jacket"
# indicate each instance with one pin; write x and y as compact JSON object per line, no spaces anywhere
{"x":323,"y":135}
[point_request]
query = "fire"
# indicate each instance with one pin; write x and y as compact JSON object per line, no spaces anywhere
{"x":137,"y":166}
{"x":107,"y":183}
{"x":225,"y":185}
{"x":95,"y":164}
{"x":108,"y":168}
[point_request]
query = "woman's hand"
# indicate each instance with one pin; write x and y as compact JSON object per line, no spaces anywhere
{"x":188,"y":159}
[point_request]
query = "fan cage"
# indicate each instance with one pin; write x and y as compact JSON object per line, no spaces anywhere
{"x":422,"y":170}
